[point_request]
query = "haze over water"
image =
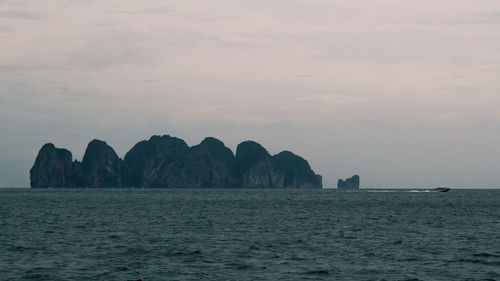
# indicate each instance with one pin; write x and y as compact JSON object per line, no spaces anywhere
{"x":248,"y":234}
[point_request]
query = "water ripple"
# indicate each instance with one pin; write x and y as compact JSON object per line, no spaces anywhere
{"x":129,"y":234}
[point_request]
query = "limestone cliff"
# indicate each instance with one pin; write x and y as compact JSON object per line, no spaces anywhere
{"x":165,"y":161}
{"x":297,"y":172}
{"x":350,"y":183}
{"x":53,"y":168}
{"x":209,"y":164}
{"x":100,"y":166}
{"x":143,"y":163}
{"x":257,"y":168}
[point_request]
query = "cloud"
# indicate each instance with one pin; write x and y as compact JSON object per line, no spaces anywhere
{"x":193,"y":39}
{"x":110,"y":48}
{"x":6,"y":31}
{"x":12,"y":68}
{"x":107,"y":49}
{"x":145,"y":11}
{"x":22,"y":14}
{"x":17,"y":68}
{"x":458,"y":18}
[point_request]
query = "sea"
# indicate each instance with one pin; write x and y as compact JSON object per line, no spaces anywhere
{"x":249,"y":234}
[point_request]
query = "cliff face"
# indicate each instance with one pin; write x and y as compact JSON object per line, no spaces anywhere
{"x":297,"y":172}
{"x":209,"y":164}
{"x":257,"y":168}
{"x":164,"y":161}
{"x":350,"y":183}
{"x":53,"y":168}
{"x":143,"y":163}
{"x":100,"y":166}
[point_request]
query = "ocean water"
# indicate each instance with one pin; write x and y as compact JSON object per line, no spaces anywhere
{"x":248,"y":234}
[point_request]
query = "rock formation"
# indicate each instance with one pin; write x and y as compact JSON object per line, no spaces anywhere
{"x":100,"y":166}
{"x":165,"y":161}
{"x":297,"y":171}
{"x":209,"y":164}
{"x":53,"y":168}
{"x":350,"y":183}
{"x":256,"y":167}
{"x":142,"y":164}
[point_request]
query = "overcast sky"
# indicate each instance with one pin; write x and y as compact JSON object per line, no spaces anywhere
{"x":403,"y":93}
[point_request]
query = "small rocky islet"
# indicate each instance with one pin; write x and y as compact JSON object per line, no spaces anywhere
{"x":349,"y":183}
{"x":166,"y":161}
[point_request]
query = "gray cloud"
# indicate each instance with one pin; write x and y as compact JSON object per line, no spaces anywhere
{"x":145,"y":11}
{"x":16,"y":68}
{"x":108,"y":49}
{"x":5,"y":31}
{"x":13,"y":68}
{"x":22,"y":14}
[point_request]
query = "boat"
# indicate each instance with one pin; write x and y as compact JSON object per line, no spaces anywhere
{"x":442,"y":189}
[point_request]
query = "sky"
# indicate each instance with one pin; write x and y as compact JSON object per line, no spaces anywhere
{"x":403,"y":93}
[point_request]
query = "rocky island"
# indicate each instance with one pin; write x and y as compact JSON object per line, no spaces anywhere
{"x":350,"y":183}
{"x":165,"y":161}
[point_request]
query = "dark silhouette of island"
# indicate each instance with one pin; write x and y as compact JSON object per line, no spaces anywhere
{"x":350,"y":183}
{"x":165,"y":161}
